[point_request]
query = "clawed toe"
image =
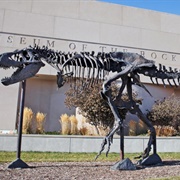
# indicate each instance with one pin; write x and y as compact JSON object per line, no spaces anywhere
{"x":106,"y":141}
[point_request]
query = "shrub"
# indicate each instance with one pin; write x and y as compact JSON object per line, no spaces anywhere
{"x":92,"y":106}
{"x":166,"y":112}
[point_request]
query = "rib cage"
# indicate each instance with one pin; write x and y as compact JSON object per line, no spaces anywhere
{"x":84,"y":66}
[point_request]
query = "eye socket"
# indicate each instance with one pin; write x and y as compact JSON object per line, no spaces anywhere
{"x":36,"y":57}
{"x":24,"y":53}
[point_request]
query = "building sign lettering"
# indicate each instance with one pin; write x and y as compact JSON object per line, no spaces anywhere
{"x":16,"y":41}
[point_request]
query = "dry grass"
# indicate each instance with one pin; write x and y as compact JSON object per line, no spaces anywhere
{"x":132,"y":128}
{"x":137,"y":128}
{"x":74,"y":122}
{"x":65,"y":124}
{"x":103,"y":131}
{"x":165,"y":131}
{"x":84,"y":131}
{"x":40,"y":119}
{"x":27,"y":120}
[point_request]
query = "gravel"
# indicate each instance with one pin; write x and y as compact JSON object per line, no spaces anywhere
{"x":87,"y":171}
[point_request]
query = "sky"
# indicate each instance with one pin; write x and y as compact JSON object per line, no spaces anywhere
{"x":167,"y":6}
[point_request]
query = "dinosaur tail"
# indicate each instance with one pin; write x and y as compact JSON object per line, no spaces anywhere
{"x":171,"y":76}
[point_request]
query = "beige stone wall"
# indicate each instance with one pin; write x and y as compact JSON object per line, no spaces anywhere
{"x":92,"y":21}
{"x":77,"y":26}
{"x":42,"y":95}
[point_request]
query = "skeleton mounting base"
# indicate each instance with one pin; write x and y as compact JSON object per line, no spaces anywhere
{"x":92,"y":68}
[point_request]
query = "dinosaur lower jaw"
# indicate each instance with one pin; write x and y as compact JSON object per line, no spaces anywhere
{"x":22,"y":74}
{"x":8,"y":80}
{"x":5,"y":81}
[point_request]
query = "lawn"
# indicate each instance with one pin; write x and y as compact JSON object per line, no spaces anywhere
{"x":73,"y":157}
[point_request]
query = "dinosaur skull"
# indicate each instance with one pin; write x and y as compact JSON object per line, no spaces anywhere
{"x":26,"y":61}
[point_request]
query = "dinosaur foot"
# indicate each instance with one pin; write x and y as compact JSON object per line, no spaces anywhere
{"x":106,"y":141}
{"x":153,"y":159}
{"x":144,"y":154}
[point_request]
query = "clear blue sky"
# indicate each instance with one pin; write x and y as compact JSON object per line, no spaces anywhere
{"x":168,"y":6}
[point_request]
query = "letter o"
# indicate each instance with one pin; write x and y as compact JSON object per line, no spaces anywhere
{"x":72,"y":46}
{"x":154,"y":55}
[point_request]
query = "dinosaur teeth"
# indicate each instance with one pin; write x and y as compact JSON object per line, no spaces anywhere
{"x":157,"y":81}
{"x":4,"y":67}
{"x":5,"y":79}
{"x":169,"y":82}
{"x":163,"y":82}
{"x":175,"y":83}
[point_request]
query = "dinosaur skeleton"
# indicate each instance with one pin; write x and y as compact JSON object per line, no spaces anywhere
{"x":92,"y":67}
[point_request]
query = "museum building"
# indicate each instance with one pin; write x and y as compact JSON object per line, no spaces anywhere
{"x":81,"y":25}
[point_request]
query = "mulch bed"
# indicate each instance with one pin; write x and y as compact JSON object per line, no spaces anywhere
{"x":87,"y":171}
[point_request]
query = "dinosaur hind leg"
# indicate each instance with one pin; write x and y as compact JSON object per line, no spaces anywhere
{"x":135,"y":109}
{"x":154,"y":158}
{"x":118,"y":121}
{"x":152,"y":138}
{"x":146,"y":158}
{"x":106,"y":95}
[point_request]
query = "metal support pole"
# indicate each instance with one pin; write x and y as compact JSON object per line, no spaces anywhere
{"x":18,"y":163}
{"x":154,"y":146}
{"x":23,"y":88}
{"x":123,"y":164}
{"x":121,"y":142}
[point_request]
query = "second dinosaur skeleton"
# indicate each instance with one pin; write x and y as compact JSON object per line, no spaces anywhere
{"x":90,"y":66}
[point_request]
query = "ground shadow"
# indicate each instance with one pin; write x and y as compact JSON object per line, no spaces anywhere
{"x":171,"y":162}
{"x":65,"y":164}
{"x":164,"y":163}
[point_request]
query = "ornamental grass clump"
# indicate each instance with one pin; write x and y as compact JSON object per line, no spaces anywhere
{"x":141,"y":128}
{"x":27,"y":121}
{"x":40,"y":119}
{"x":132,"y":128}
{"x":165,"y":131}
{"x":137,"y":128}
{"x":74,"y":122}
{"x":84,"y":131}
{"x":65,"y":124}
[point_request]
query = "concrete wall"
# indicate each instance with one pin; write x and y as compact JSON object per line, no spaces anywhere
{"x":88,"y":144}
{"x":83,"y":25}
